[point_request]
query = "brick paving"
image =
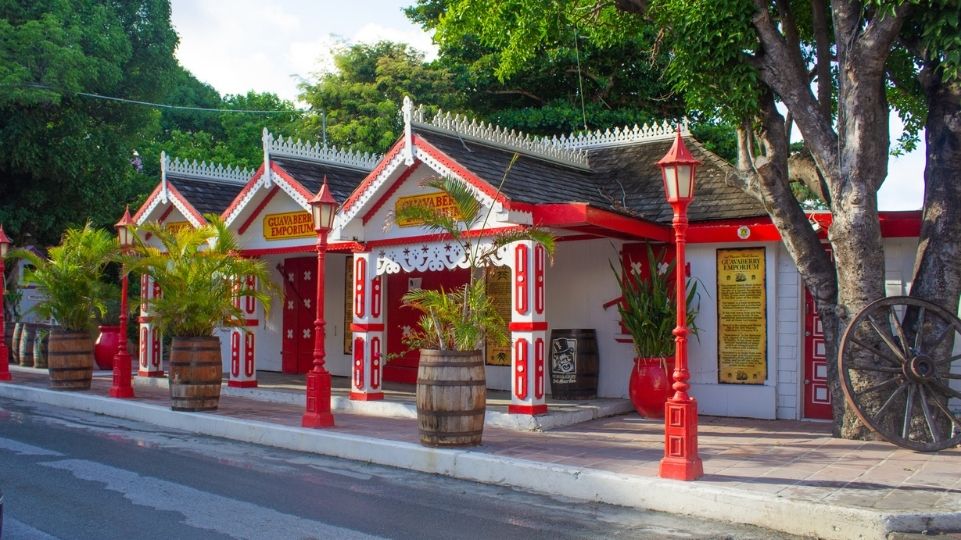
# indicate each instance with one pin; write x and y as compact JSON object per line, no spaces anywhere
{"x":788,"y":459}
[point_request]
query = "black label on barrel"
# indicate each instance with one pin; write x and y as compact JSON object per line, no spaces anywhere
{"x":564,"y":360}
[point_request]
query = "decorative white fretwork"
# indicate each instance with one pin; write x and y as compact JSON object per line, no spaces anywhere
{"x":204,"y":171}
{"x":433,"y":256}
{"x":278,"y":146}
{"x":471,"y":129}
{"x":248,"y":195}
{"x":444,"y":170}
{"x":621,"y":136}
{"x":345,"y":216}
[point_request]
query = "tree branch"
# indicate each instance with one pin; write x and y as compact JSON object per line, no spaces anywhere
{"x":822,"y":48}
{"x":524,"y":93}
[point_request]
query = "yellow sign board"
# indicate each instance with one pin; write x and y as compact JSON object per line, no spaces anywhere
{"x":499,"y":291}
{"x":176,"y":226}
{"x":741,"y":316}
{"x":288,"y":225}
{"x":439,"y":201}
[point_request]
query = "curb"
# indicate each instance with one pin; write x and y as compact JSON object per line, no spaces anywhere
{"x":800,"y":517}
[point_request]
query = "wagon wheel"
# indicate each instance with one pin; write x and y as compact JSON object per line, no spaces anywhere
{"x":900,"y":372}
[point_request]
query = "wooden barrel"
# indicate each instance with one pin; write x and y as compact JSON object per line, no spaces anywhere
{"x":15,"y":343}
{"x":40,"y":346}
{"x":195,"y":373}
{"x":451,"y":398}
{"x":69,"y":359}
{"x":8,"y":327}
{"x":574,"y":364}
{"x":25,"y":346}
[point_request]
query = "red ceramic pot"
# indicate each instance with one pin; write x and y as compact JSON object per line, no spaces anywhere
{"x":650,"y":385}
{"x":106,"y":346}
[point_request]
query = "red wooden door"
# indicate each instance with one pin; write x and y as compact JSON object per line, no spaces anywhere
{"x":400,"y":320}
{"x":817,"y":390}
{"x":300,"y":290}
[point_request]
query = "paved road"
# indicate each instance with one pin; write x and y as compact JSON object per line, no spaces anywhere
{"x":73,"y":475}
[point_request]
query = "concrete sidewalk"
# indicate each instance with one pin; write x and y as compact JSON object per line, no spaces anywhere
{"x":783,"y":475}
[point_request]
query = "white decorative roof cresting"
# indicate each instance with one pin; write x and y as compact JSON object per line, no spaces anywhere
{"x":280,"y":147}
{"x":203,"y":171}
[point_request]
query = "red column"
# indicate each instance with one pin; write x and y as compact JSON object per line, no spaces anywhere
{"x":681,"y":460}
{"x":4,"y":352}
{"x":121,"y":387}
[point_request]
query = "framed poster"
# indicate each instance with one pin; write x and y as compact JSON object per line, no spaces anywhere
{"x":499,"y":291}
{"x":349,"y":304}
{"x":741,"y":316}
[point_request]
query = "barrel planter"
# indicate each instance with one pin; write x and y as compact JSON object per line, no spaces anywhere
{"x":25,"y":347}
{"x":650,"y":385}
{"x":105,"y":347}
{"x":451,"y":398}
{"x":70,"y":359}
{"x":574,"y":364}
{"x":15,"y":343}
{"x":195,"y":373}
{"x":8,"y":326}
{"x":40,"y":346}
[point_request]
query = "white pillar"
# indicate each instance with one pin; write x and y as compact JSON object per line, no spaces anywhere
{"x":243,"y":372}
{"x":367,"y":329}
{"x":151,"y":346}
{"x":528,"y":327}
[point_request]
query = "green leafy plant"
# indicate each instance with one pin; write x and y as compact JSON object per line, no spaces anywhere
{"x":197,"y":271}
{"x":463,"y":318}
{"x":71,"y":277}
{"x":648,"y":307}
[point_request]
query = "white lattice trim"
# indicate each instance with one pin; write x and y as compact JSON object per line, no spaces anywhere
{"x":374,"y":186}
{"x":298,"y":198}
{"x":433,"y":257}
{"x":621,"y":136}
{"x":242,"y":203}
{"x":187,"y":212}
{"x":316,"y":152}
{"x":471,"y":129}
{"x":149,"y":210}
{"x":444,"y":170}
{"x":213,"y":171}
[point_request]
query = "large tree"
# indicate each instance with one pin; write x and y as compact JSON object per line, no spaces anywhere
{"x":741,"y":59}
{"x":64,"y":149}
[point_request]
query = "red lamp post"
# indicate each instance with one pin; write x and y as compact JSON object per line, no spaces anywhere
{"x":121,"y":387}
{"x":318,"y":415}
{"x":4,"y":352}
{"x":681,"y":461}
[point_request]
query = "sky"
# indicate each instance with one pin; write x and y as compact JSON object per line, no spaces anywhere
{"x":272,"y":46}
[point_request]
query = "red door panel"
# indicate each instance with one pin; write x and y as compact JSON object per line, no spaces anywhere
{"x":817,"y":390}
{"x":401,"y":319}
{"x":300,"y":290}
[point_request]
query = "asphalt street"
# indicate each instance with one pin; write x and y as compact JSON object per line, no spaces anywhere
{"x":74,"y":475}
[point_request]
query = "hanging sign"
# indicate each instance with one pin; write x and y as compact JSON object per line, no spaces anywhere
{"x":439,"y":201}
{"x":741,"y":316}
{"x":499,"y":292}
{"x":288,"y":225}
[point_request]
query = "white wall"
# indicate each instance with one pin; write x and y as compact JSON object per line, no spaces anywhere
{"x":790,"y":328}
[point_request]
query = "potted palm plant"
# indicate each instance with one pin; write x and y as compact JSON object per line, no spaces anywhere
{"x":198,"y":271}
{"x":648,"y":311}
{"x":454,"y":324}
{"x":74,"y":294}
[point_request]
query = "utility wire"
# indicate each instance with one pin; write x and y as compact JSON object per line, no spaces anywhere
{"x":159,"y":105}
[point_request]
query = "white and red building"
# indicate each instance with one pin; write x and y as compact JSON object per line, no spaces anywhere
{"x":601,"y":194}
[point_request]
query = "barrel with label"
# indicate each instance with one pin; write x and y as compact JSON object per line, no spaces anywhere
{"x":27,"y":336}
{"x":574,"y":364}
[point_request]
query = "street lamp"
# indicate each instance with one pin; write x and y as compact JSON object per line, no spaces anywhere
{"x":4,"y":352}
{"x":323,"y":207}
{"x":121,"y":387}
{"x":680,"y":461}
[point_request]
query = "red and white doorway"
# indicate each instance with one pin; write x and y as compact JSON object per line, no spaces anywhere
{"x":300,"y":291}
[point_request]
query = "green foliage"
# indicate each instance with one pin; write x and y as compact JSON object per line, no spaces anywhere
{"x":197,"y":270}
{"x":461,"y":319}
{"x":64,"y":154}
{"x":361,"y":99}
{"x":71,"y":278}
{"x":648,"y":308}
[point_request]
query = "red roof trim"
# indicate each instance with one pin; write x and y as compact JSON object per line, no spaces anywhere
{"x":894,"y":224}
{"x":339,"y":247}
{"x":243,"y":192}
{"x":190,"y":208}
{"x":566,"y":215}
{"x":439,"y":237}
{"x":270,"y":195}
{"x":462,"y":172}
{"x":370,"y":178}
{"x":291,"y":181}
{"x":143,"y":207}
{"x":390,"y":191}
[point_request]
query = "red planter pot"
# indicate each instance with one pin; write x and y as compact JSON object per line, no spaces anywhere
{"x":650,"y":385}
{"x":106,"y":346}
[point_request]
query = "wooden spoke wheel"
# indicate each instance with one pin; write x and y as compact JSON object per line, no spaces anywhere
{"x":901,"y":372}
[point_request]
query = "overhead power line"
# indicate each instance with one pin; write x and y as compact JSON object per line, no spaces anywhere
{"x":159,"y":105}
